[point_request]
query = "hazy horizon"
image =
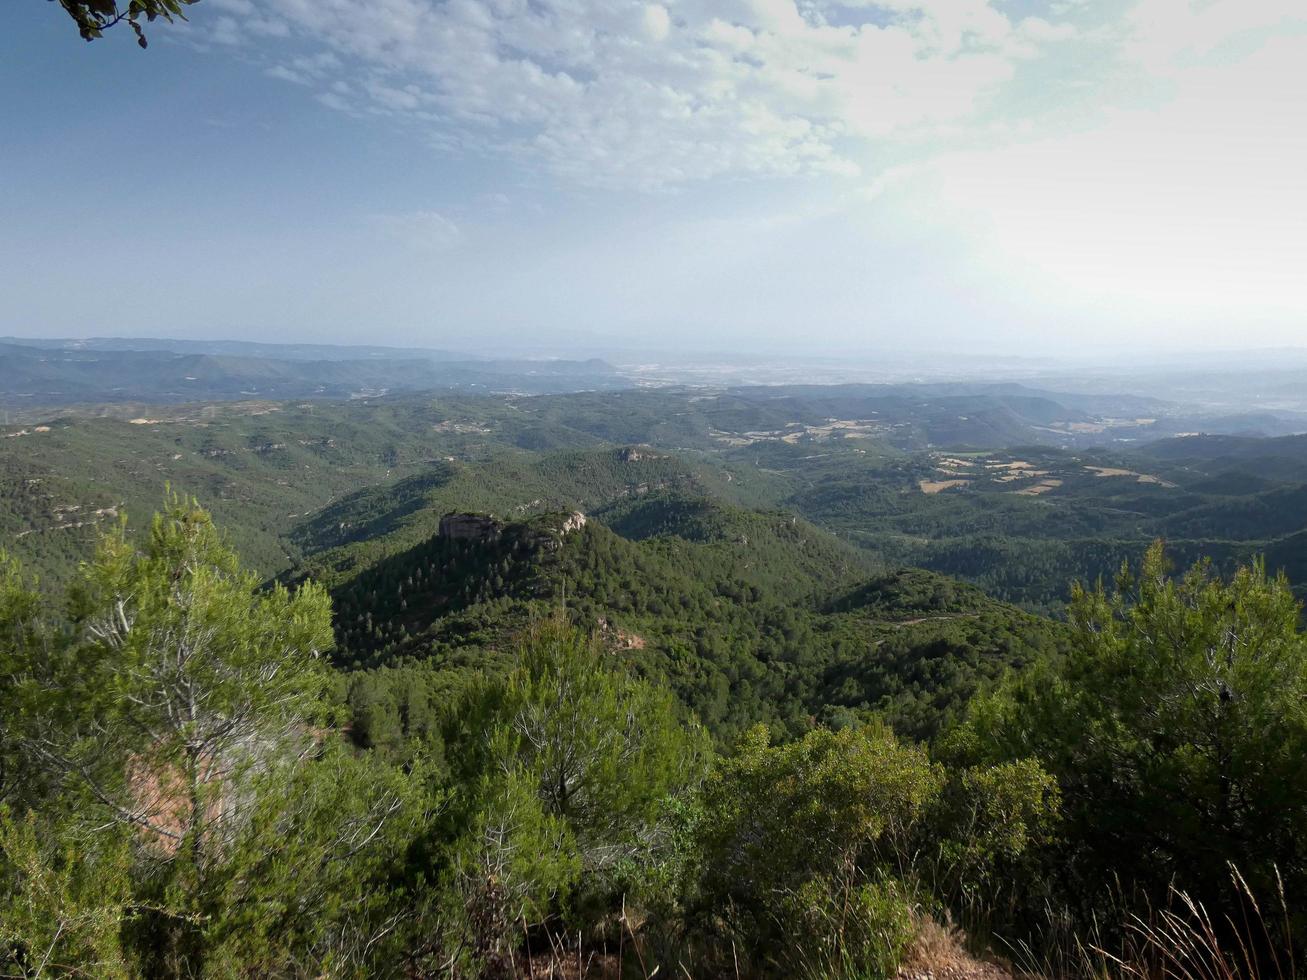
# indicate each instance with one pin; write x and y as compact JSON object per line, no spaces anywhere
{"x":713,"y":365}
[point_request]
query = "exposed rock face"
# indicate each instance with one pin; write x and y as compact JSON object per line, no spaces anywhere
{"x":633,"y":454}
{"x":470,"y":527}
{"x":546,"y":531}
{"x":549,"y":532}
{"x":620,"y":639}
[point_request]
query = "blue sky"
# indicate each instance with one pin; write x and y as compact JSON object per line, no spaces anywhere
{"x":814,"y":176}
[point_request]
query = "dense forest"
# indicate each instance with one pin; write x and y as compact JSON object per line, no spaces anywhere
{"x":656,"y":683}
{"x":998,"y":485}
{"x":700,"y":738}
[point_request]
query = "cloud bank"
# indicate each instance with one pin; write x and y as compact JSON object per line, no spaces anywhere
{"x":626,"y":93}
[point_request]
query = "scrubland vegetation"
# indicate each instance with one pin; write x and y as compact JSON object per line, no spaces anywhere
{"x":328,"y":488}
{"x":740,"y":721}
{"x":204,"y":775}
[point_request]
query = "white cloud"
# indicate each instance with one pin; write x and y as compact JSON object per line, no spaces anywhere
{"x":1075,"y":137}
{"x":657,"y":21}
{"x":286,"y":74}
{"x":333,"y":100}
{"x":1168,"y":36}
{"x":630,"y":93}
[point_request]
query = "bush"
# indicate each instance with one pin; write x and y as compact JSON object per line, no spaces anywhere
{"x":800,"y":837}
{"x":560,"y":771}
{"x":170,"y":739}
{"x":1176,"y":731}
{"x":62,"y":900}
{"x":840,"y":929}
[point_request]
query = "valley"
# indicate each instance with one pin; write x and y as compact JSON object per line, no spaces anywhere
{"x":985,"y":495}
{"x":827,"y":562}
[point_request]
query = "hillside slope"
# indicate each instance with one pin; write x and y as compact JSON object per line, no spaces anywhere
{"x":785,"y":625}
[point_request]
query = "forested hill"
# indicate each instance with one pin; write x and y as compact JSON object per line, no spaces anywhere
{"x":362,"y":527}
{"x":748,"y":617}
{"x":993,"y":484}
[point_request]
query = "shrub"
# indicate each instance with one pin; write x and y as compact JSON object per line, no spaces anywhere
{"x":801,"y":836}
{"x":1176,"y":731}
{"x":842,"y":929}
{"x":561,"y":769}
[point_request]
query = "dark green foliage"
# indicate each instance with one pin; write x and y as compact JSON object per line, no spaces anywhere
{"x":775,"y":817}
{"x":739,"y":620}
{"x":169,"y":729}
{"x":63,"y":897}
{"x":370,"y":526}
{"x":1176,"y":730}
{"x":558,"y":772}
{"x":327,"y":488}
{"x":503,"y":745}
{"x":601,"y":748}
{"x":93,"y":17}
{"x":811,"y":854}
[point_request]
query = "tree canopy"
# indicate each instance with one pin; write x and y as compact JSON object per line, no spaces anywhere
{"x":1176,"y":728}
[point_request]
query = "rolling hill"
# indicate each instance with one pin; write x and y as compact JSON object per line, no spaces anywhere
{"x":999,"y":497}
{"x":784,"y":625}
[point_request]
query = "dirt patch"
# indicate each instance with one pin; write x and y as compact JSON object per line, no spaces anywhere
{"x":795,"y":432}
{"x":939,"y":486}
{"x":620,"y":639}
{"x":1113,"y":471}
{"x":932,"y":619}
{"x":460,"y":427}
{"x":630,"y":641}
{"x":1042,"y":487}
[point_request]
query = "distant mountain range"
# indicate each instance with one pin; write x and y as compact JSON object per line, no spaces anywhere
{"x":131,"y":377}
{"x":70,"y":372}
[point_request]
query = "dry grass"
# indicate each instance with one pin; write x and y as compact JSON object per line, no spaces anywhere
{"x":1181,"y":942}
{"x":939,"y":486}
{"x":1185,"y":942}
{"x":939,"y":952}
{"x":1112,"y":471}
{"x":1042,"y":487}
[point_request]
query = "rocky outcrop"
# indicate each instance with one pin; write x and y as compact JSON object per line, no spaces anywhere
{"x":633,"y":454}
{"x":543,"y":531}
{"x":548,"y":530}
{"x":470,"y":527}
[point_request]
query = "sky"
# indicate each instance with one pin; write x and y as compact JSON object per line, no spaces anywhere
{"x":774,"y":176}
